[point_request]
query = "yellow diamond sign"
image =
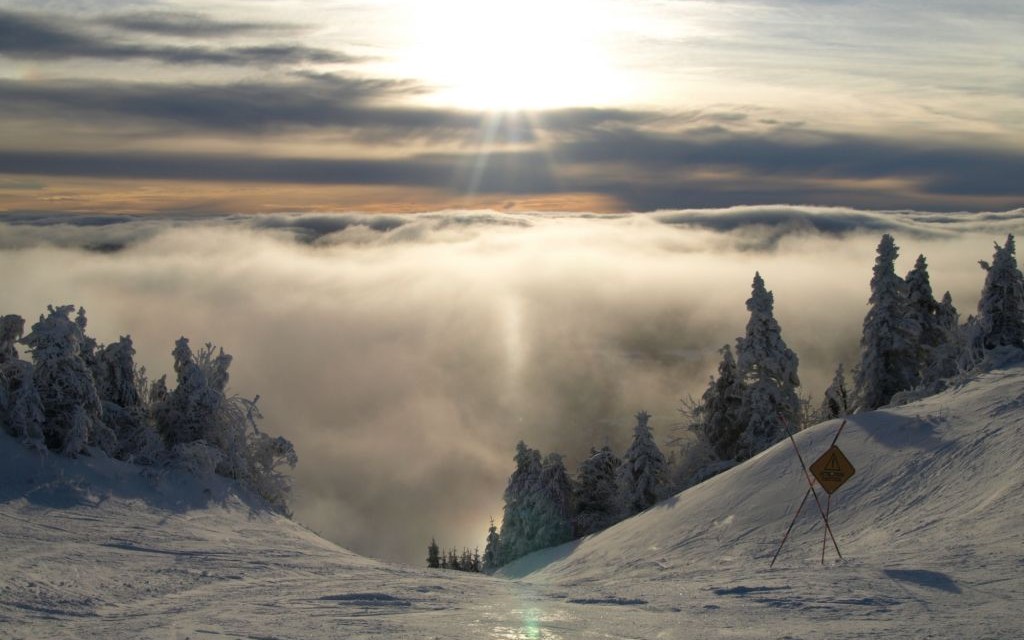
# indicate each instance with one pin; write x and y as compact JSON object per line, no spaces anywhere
{"x":832,"y":469}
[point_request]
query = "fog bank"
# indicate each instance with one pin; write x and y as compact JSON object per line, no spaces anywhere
{"x":405,"y":355}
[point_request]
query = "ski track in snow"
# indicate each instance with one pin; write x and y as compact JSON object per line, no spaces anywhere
{"x":930,"y":528}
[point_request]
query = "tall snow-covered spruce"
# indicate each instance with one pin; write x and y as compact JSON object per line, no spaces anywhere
{"x":1000,"y":320}
{"x":73,"y":414}
{"x":433,"y":555}
{"x":597,"y":492}
{"x":889,"y":343}
{"x":643,"y":472}
{"x":717,"y":418}
{"x":923,"y":309}
{"x":554,"y":504}
{"x":517,"y":526}
{"x":940,"y":344}
{"x":836,"y":403}
{"x":768,"y":369}
{"x":538,"y":505}
{"x":492,"y":550}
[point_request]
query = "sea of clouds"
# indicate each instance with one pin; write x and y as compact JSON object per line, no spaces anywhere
{"x":405,"y":355}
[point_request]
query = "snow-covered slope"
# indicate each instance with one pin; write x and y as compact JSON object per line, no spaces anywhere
{"x":89,"y":548}
{"x":930,"y":527}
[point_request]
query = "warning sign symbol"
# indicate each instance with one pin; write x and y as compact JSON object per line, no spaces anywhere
{"x":832,"y":469}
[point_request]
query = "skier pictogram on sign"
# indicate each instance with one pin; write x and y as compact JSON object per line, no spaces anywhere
{"x":832,"y":470}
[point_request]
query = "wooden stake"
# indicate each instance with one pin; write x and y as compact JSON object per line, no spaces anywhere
{"x":790,"y":528}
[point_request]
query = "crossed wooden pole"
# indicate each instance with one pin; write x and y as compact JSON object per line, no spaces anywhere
{"x":811,"y":492}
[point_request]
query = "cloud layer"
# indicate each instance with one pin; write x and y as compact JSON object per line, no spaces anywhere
{"x":405,"y":355}
{"x":144,"y":99}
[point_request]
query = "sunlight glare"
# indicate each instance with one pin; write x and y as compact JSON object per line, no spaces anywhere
{"x":527,"y":54}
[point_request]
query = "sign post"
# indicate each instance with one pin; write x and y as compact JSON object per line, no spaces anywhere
{"x":831,"y":471}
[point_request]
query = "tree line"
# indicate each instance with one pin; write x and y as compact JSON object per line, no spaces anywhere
{"x":76,"y":395}
{"x":545,"y":507}
{"x":469,"y":561}
{"x":911,"y":346}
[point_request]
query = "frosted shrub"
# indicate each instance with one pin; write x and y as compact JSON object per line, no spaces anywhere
{"x":78,"y":394}
{"x":267,"y":455}
{"x":197,"y":458}
{"x":258,"y":458}
{"x":197,"y":410}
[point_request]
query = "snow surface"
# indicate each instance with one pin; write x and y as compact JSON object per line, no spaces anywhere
{"x":930,"y":528}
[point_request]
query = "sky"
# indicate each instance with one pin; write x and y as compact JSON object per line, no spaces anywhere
{"x":428,"y":230}
{"x":535,"y":105}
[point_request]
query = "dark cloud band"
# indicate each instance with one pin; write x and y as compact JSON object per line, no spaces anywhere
{"x":41,"y":37}
{"x":187,"y":24}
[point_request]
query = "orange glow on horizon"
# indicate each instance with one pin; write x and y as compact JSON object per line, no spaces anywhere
{"x":108,"y":196}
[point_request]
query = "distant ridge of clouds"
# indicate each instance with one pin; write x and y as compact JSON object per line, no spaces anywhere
{"x":758,"y":228}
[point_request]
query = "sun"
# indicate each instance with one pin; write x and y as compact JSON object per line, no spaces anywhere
{"x":512,"y":54}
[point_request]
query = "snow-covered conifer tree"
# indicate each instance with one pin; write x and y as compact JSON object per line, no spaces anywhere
{"x":115,"y":373}
{"x":11,"y":329}
{"x":518,"y":522}
{"x":476,"y":563}
{"x":946,"y":316}
{"x":453,"y":560}
{"x":554,"y":512}
{"x":717,"y":416}
{"x":597,"y":492}
{"x":538,"y":507}
{"x":466,"y":560}
{"x":1000,"y":320}
{"x":189,"y":411}
{"x":21,"y":409}
{"x":492,"y":550}
{"x":64,"y":402}
{"x":889,"y":343}
{"x":837,"y":397}
{"x":643,"y":472}
{"x":924,"y":310}
{"x":433,"y":555}
{"x":67,"y":391}
{"x":768,"y":369}
{"x":945,"y":358}
{"x":88,"y":345}
{"x":118,"y":385}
